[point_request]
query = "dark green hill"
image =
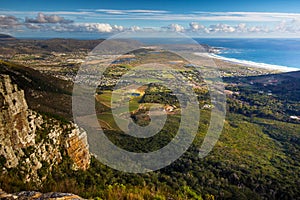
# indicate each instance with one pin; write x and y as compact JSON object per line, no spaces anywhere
{"x":6,"y":37}
{"x":8,"y":48}
{"x":44,"y":93}
{"x":274,"y":96}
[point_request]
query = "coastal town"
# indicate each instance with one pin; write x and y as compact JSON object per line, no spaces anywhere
{"x":105,"y":71}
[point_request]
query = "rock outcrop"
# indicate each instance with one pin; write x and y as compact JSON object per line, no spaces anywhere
{"x":33,"y":195}
{"x":34,"y":142}
{"x":16,"y":127}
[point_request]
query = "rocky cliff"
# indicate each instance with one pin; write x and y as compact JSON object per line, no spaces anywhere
{"x":32,"y":195}
{"x":34,"y":143}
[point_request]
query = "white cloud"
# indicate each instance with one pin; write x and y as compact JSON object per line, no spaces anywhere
{"x":196,"y":27}
{"x":110,"y":11}
{"x":239,"y":23}
{"x":163,"y":15}
{"x":128,"y":12}
{"x":118,"y":28}
{"x":9,"y":22}
{"x":246,"y":16}
{"x":42,"y":18}
{"x":78,"y":27}
{"x":241,"y":28}
{"x":135,"y":28}
{"x":291,"y":26}
{"x":33,"y":26}
{"x":259,"y":29}
{"x":98,"y":27}
{"x":222,"y":28}
{"x":147,"y":11}
{"x":175,"y":27}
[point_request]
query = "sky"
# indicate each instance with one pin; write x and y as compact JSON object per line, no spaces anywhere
{"x":104,"y":18}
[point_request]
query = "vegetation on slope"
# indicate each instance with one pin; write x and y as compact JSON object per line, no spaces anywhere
{"x":256,"y":157}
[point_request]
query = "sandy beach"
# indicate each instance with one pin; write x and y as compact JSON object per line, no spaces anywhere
{"x":249,"y":63}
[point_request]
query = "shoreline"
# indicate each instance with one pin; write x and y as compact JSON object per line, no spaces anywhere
{"x":249,"y":63}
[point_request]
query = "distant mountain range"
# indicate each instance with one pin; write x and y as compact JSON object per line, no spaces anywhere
{"x":6,"y":37}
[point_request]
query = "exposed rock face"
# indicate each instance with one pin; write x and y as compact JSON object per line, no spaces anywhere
{"x":33,"y":142}
{"x":77,"y":146}
{"x":15,"y":127}
{"x":31,"y":195}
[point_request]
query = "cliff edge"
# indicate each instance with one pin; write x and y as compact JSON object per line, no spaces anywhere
{"x":34,"y":143}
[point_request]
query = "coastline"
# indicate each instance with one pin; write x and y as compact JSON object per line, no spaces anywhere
{"x":249,"y":63}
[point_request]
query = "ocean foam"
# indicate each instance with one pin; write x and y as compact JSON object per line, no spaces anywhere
{"x":250,"y":63}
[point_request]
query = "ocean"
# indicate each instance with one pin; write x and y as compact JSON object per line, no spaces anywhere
{"x":273,"y":53}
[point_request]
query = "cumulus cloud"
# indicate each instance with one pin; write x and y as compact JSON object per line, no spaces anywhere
{"x":196,"y":27}
{"x":241,"y":28}
{"x":80,"y":27}
{"x":9,"y":22}
{"x":223,"y":28}
{"x":135,"y":28}
{"x":118,"y":28}
{"x":259,"y":29}
{"x":59,"y":24}
{"x":291,"y":26}
{"x":175,"y":28}
{"x":98,"y":27}
{"x":52,"y":19}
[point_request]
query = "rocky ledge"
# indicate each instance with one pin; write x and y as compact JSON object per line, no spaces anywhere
{"x":33,"y":195}
{"x":30,"y":141}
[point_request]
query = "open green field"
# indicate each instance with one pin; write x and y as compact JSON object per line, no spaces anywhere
{"x":107,"y":117}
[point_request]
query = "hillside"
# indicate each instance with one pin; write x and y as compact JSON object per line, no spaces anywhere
{"x":273,"y":96}
{"x":43,"y":93}
{"x":256,"y":157}
{"x":10,"y":47}
{"x":32,"y":144}
{"x":32,"y":46}
{"x":6,"y":37}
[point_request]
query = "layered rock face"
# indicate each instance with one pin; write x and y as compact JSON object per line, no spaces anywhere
{"x":77,"y":148}
{"x":16,"y":127}
{"x":31,"y":141}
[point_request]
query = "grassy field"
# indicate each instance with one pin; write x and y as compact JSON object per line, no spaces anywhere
{"x":106,"y":118}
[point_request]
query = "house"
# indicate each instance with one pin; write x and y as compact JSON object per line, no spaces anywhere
{"x":207,"y":106}
{"x":169,"y":108}
{"x":269,"y":93}
{"x":228,"y":92}
{"x":294,"y":117}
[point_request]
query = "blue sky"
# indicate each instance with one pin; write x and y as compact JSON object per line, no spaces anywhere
{"x":170,"y":5}
{"x":231,"y":18}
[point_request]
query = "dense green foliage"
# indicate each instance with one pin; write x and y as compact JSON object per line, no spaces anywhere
{"x":256,"y":157}
{"x":43,"y":93}
{"x":273,"y":97}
